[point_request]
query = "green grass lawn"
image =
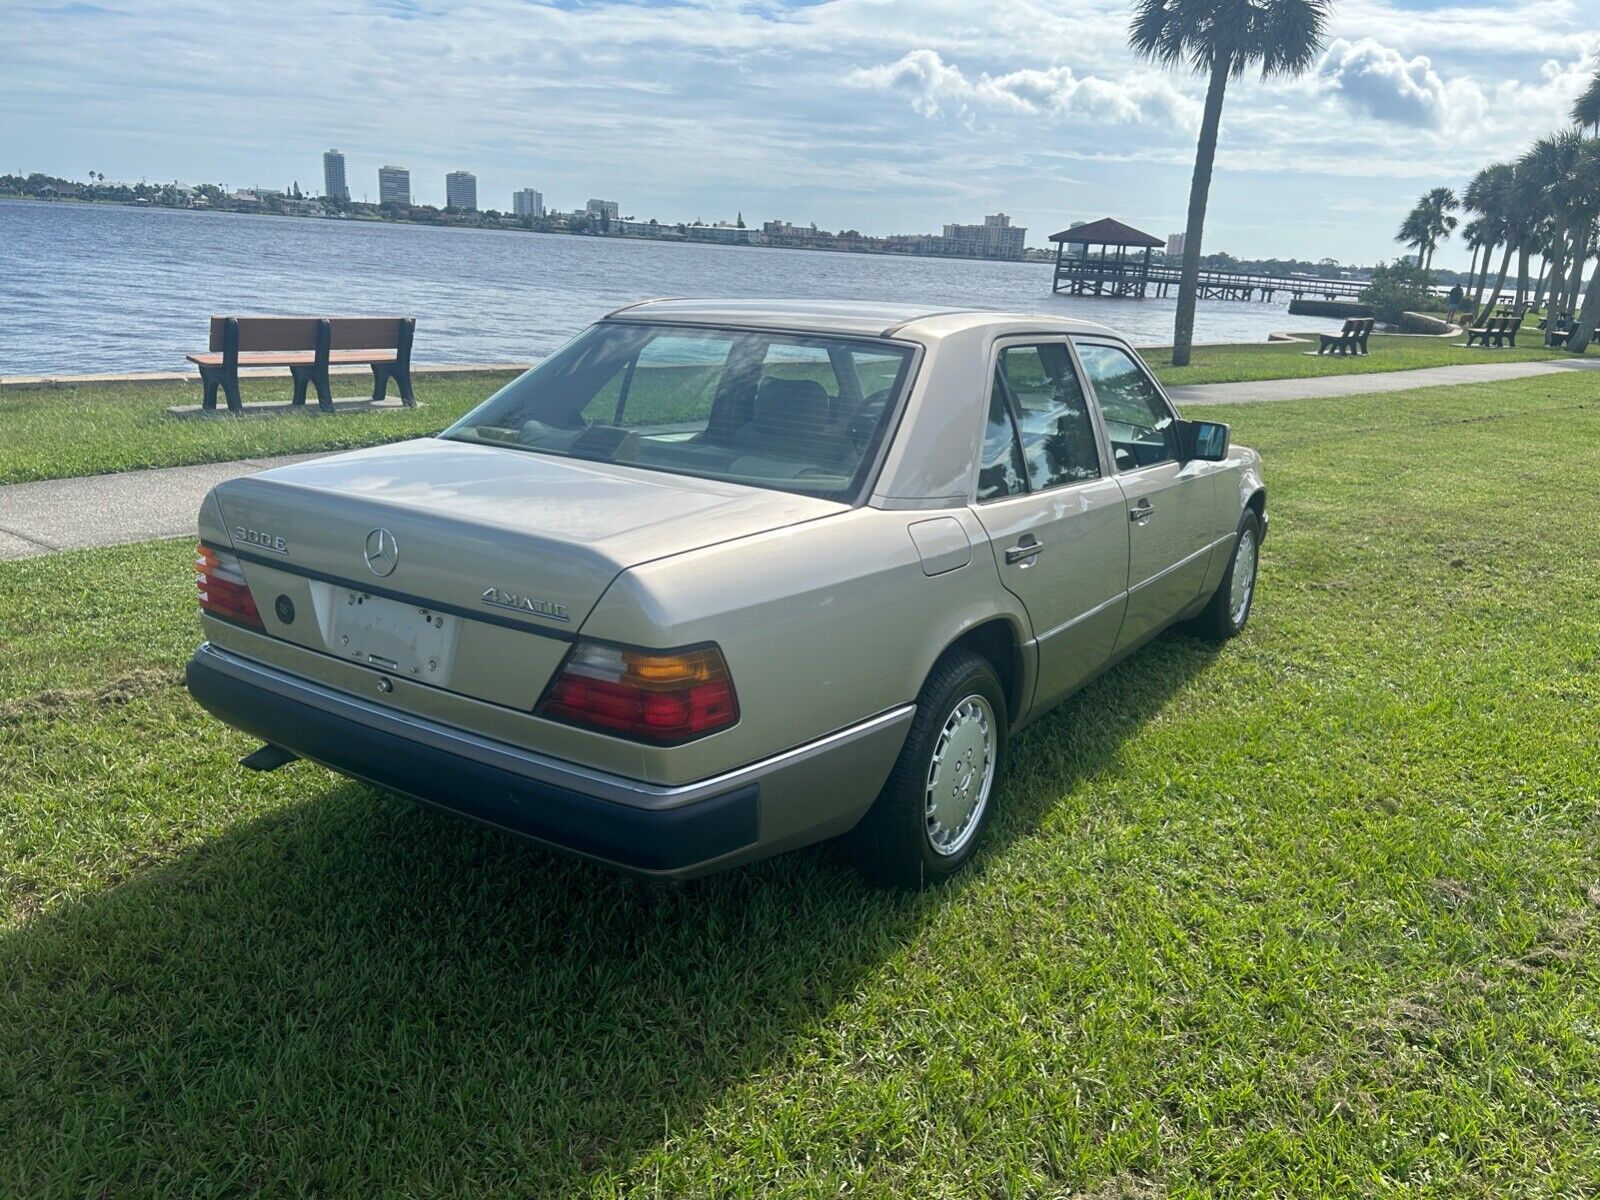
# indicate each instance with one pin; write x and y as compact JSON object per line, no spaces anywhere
{"x":1314,"y":914}
{"x":55,"y":431}
{"x":1289,"y":360}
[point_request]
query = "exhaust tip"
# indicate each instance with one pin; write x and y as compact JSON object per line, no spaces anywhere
{"x":268,"y":758}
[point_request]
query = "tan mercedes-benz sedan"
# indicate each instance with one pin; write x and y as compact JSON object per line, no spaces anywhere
{"x":719,"y":579}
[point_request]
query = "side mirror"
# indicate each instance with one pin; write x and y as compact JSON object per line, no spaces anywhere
{"x":1206,"y":441}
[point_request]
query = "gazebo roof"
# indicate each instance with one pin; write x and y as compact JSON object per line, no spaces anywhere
{"x":1107,"y":232}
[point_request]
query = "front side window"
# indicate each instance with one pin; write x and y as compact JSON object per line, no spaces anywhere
{"x":1052,"y":415}
{"x":1138,"y":421}
{"x":786,"y":411}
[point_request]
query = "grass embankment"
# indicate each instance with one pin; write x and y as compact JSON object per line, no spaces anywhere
{"x":59,"y":430}
{"x":1314,"y":914}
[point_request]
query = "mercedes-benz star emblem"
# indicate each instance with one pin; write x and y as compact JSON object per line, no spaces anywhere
{"x":383,"y":552}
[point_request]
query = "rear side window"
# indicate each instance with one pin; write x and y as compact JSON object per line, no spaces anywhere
{"x":1139,"y":423}
{"x":792,"y":412}
{"x":1002,"y":472}
{"x":1053,"y":419}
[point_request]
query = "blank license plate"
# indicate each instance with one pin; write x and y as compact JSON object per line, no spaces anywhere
{"x":404,"y":639}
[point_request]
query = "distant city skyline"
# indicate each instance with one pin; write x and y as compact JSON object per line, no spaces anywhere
{"x":868,"y":114}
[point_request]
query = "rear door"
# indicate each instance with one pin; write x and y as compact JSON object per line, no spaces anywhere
{"x":1056,"y":520}
{"x":1170,"y":504}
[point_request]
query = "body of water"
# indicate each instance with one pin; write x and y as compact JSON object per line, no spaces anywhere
{"x":100,"y":288}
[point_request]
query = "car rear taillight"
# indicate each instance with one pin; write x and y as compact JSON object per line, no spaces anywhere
{"x":223,"y":592}
{"x":647,"y":695}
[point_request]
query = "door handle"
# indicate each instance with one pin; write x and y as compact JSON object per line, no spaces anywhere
{"x":1142,"y":511}
{"x":1029,"y":547}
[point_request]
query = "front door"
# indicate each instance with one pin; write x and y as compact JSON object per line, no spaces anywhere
{"x":1056,"y":520}
{"x":1170,"y":504}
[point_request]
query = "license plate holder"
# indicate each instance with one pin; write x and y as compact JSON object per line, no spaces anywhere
{"x":409,"y":640}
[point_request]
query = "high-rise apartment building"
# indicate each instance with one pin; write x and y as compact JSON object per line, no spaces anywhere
{"x":461,"y":191}
{"x":997,"y":237}
{"x":334,"y":186}
{"x":527,"y":203}
{"x":602,"y":208}
{"x":394,"y":185}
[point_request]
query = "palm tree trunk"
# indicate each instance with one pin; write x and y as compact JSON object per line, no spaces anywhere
{"x":1580,"y":255}
{"x":1505,"y":269}
{"x":1558,"y":260}
{"x":1583,"y":329}
{"x":1578,"y":340}
{"x":1205,"y":158}
{"x":1483,"y":278}
{"x":1524,"y":259}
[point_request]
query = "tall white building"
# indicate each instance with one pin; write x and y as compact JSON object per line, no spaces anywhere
{"x":1175,"y":245}
{"x":527,"y":203}
{"x":334,"y":186}
{"x":603,"y":208}
{"x":394,"y":185}
{"x":461,"y":191}
{"x":997,"y":237}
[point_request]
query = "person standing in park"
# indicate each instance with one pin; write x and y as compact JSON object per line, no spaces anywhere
{"x":1457,"y":295}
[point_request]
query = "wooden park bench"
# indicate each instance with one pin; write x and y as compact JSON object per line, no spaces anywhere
{"x":1497,"y":330}
{"x":1352,"y":339}
{"x":1560,"y":337}
{"x":308,"y":346}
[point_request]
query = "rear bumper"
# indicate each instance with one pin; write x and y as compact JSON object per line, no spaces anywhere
{"x":803,"y":795}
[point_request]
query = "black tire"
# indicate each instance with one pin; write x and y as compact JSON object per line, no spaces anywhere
{"x":1220,"y":619}
{"x":894,"y":843}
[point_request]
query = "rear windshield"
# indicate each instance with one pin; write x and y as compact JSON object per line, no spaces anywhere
{"x":796,"y":413}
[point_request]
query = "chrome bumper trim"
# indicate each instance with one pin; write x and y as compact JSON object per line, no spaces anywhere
{"x":528,"y":763}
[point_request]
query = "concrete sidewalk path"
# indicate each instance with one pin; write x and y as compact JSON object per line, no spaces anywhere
{"x":1332,"y":386}
{"x":110,"y":510}
{"x":138,"y":506}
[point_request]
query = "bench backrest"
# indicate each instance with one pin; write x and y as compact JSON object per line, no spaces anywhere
{"x":300,"y":333}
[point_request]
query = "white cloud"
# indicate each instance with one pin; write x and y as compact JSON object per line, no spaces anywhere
{"x":1385,"y":84}
{"x":933,"y":86}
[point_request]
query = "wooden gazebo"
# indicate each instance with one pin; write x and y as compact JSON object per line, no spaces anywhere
{"x":1085,"y":273}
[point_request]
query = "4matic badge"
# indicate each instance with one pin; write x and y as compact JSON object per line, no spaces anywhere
{"x":527,"y":604}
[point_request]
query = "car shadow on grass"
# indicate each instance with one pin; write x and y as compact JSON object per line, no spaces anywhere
{"x":358,"y":994}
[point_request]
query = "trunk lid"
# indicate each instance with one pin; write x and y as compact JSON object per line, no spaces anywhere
{"x":500,"y":539}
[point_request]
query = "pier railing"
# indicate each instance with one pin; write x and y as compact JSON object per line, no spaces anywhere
{"x":1097,"y":277}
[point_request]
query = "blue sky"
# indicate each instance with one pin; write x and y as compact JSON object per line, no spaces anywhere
{"x":880,"y":115}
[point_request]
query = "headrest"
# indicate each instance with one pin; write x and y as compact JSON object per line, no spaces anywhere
{"x":790,"y":406}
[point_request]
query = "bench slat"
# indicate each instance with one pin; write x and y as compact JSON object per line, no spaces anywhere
{"x":295,"y":358}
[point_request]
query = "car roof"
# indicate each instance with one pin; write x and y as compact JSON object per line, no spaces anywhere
{"x":853,"y":317}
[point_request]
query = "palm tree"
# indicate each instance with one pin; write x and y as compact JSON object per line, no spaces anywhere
{"x":1490,"y":196}
{"x":1413,"y":232}
{"x":1545,"y":172}
{"x":1439,"y":204}
{"x":1586,"y":211}
{"x":1429,"y":223}
{"x":1221,"y":39}
{"x":1586,"y":110}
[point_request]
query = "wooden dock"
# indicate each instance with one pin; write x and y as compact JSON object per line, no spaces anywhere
{"x":1108,"y":277}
